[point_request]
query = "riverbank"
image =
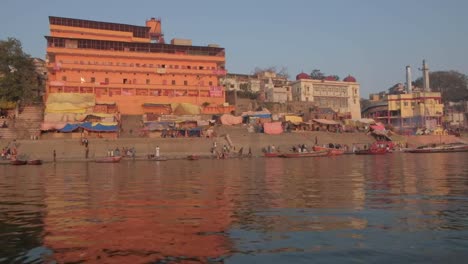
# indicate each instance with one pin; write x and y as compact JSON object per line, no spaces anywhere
{"x":177,"y":148}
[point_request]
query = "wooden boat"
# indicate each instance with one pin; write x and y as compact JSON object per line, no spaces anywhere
{"x":35,"y":162}
{"x":371,"y":151}
{"x":331,"y":151}
{"x":272,"y":154}
{"x":18,"y":162}
{"x":305,"y":154}
{"x":160,"y":158}
{"x":115,"y":159}
{"x":455,"y":147}
{"x":193,"y":157}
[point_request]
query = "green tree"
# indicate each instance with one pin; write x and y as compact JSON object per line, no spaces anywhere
{"x":17,"y":72}
{"x":317,"y":75}
{"x":451,"y":84}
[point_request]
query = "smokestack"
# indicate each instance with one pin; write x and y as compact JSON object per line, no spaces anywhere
{"x":425,"y":71}
{"x":408,"y":80}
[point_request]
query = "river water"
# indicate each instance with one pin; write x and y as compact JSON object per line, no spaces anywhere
{"x":396,"y":208}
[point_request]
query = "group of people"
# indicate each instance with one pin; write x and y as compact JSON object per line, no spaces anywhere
{"x":300,"y":148}
{"x":10,"y":151}
{"x":125,"y":152}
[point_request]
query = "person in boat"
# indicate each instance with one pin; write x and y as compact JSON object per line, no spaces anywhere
{"x":117,"y":152}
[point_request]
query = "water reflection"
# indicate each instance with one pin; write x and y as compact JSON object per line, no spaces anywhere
{"x":403,"y":207}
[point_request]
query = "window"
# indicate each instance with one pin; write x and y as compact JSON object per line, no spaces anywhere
{"x":64,"y":78}
{"x":405,"y":103}
{"x":185,"y":83}
{"x":106,"y":80}
{"x":210,"y":83}
{"x":93,"y":79}
{"x":173,"y":82}
{"x":147,"y":81}
{"x":124,"y":81}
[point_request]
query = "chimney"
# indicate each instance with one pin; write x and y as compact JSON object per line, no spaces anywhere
{"x":425,"y":71}
{"x":409,"y":89}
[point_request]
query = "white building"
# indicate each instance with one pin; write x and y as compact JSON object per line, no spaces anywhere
{"x":341,"y":96}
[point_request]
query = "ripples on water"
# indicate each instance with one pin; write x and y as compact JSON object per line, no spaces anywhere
{"x":385,"y":209}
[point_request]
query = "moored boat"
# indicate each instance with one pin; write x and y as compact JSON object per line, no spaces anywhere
{"x":371,"y":151}
{"x":305,"y":154}
{"x":272,"y":154}
{"x":160,"y":158}
{"x":35,"y":162}
{"x":331,"y":151}
{"x":115,"y":159}
{"x":445,"y":148}
{"x":18,"y":162}
{"x":193,"y":157}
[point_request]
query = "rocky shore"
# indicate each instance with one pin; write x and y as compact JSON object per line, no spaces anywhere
{"x":176,"y":148}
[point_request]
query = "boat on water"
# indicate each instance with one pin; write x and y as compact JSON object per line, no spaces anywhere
{"x":193,"y":157}
{"x":160,"y":158}
{"x":371,"y":151}
{"x":272,"y":154}
{"x":35,"y":162}
{"x":444,"y":148}
{"x":331,"y":151}
{"x":114,"y":159}
{"x":18,"y":162}
{"x":322,"y":153}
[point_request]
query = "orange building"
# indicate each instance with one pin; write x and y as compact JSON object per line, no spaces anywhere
{"x":131,"y":65}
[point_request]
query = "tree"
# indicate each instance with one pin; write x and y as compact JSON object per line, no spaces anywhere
{"x":282,"y":72}
{"x":452,"y":85}
{"x":17,"y":72}
{"x":317,"y":75}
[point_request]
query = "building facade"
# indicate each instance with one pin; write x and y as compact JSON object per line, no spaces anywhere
{"x":418,"y":109}
{"x":341,"y":96}
{"x":131,"y":65}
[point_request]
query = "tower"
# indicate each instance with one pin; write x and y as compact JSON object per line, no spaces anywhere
{"x":425,"y":70}
{"x":408,"y":80}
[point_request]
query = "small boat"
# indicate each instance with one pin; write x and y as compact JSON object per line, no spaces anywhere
{"x":305,"y":154}
{"x":160,"y":158}
{"x":371,"y":151}
{"x":272,"y":154}
{"x":445,"y":148}
{"x":193,"y":157}
{"x":115,"y":159}
{"x":35,"y":162}
{"x":331,"y":151}
{"x":18,"y":162}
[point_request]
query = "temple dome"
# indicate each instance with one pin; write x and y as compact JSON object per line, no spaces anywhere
{"x":349,"y":78}
{"x":302,"y":75}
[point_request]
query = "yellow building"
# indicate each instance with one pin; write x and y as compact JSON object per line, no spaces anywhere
{"x":419,"y":109}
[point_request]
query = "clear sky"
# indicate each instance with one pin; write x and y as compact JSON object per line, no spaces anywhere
{"x":372,"y":40}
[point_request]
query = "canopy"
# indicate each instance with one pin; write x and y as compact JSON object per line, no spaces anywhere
{"x":293,"y":119}
{"x":273,"y":128}
{"x":227,"y":119}
{"x":97,"y":127}
{"x":378,"y":127}
{"x":259,"y":114}
{"x":69,"y":102}
{"x":154,"y":126}
{"x":185,"y":109}
{"x":326,"y":121}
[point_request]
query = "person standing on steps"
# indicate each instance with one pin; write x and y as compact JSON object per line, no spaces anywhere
{"x":157,"y":152}
{"x":55,"y":155}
